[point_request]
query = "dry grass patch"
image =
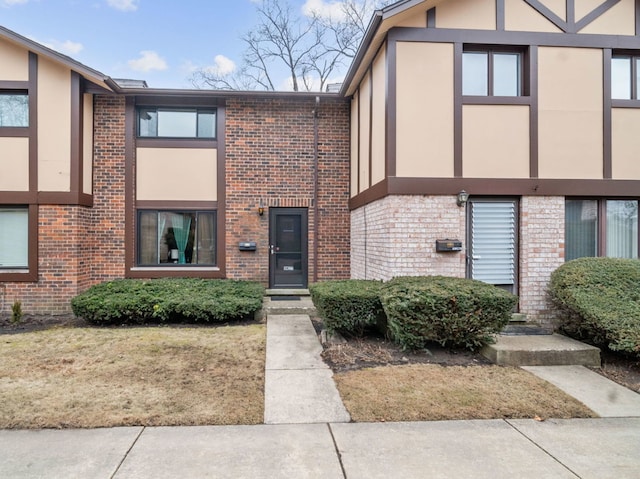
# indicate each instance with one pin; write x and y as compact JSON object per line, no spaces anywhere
{"x":427,"y":392}
{"x":90,"y":377}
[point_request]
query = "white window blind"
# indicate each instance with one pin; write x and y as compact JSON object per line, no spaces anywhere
{"x":493,"y":242}
{"x":14,"y":233}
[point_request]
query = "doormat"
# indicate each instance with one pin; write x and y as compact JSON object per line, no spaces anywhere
{"x":285,"y":298}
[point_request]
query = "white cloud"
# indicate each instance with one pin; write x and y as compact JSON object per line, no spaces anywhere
{"x":123,"y":5}
{"x":221,"y":66}
{"x":11,"y":3}
{"x":67,"y":47}
{"x":149,"y":60}
{"x":324,"y":9}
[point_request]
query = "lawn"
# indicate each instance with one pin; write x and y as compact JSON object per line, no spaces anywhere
{"x":153,"y":376}
{"x":430,"y":392}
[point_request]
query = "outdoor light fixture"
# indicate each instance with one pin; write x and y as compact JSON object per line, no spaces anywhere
{"x":261,"y":209}
{"x":463,"y":196}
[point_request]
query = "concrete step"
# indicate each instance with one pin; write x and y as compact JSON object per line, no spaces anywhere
{"x":541,"y":350}
{"x":301,"y":305}
{"x":518,"y":318}
{"x":287,"y":292}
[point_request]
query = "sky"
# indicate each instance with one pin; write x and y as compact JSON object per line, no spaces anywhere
{"x":160,"y":41}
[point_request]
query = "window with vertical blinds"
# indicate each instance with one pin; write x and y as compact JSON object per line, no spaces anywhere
{"x":614,"y":222}
{"x":14,"y":235}
{"x":493,"y":242}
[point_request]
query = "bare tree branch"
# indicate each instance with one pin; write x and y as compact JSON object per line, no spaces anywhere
{"x":310,"y":49}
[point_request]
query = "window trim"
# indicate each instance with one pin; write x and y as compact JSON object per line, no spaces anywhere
{"x":172,"y":267}
{"x":634,"y":101}
{"x":16,"y":130}
{"x":601,"y":221}
{"x":175,"y":139}
{"x":29,"y":273}
{"x":524,"y":96}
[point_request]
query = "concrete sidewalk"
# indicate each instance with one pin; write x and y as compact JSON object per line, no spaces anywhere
{"x":494,"y":449}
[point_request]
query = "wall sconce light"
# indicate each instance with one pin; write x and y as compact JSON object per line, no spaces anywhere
{"x":463,"y":196}
{"x":261,"y":209}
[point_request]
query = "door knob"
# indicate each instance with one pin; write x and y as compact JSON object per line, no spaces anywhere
{"x":272,"y":248}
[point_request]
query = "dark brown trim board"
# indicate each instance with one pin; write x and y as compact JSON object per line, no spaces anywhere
{"x":77,"y":150}
{"x":175,"y":142}
{"x":431,"y":17}
{"x":532,"y":74}
{"x":392,"y":107}
{"x":33,"y":122}
{"x":31,"y":273}
{"x":457,"y":109}
{"x":497,"y":187}
{"x":607,"y":141}
{"x":500,"y":16}
{"x":514,"y":38}
{"x":595,"y":14}
{"x":370,"y":159}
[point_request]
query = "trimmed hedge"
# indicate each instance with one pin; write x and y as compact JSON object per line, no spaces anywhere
{"x":168,"y":300}
{"x":348,"y":306}
{"x":600,"y":299}
{"x":450,"y":311}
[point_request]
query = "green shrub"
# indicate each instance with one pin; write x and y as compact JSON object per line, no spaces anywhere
{"x":16,"y":312}
{"x":168,"y":300}
{"x":450,"y":311}
{"x":599,"y":299}
{"x":348,"y":306}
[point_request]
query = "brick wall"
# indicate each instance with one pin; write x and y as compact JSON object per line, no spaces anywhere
{"x":541,"y":252}
{"x":270,"y":161}
{"x":396,"y":236}
{"x":107,"y":238}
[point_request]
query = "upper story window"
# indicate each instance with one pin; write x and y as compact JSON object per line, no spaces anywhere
{"x":177,"y":123}
{"x":492,"y":72}
{"x":624,"y":77}
{"x":14,"y":109}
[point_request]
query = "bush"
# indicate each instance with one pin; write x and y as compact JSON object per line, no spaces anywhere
{"x":599,"y":299}
{"x":168,"y":300}
{"x":348,"y":306}
{"x":450,"y":311}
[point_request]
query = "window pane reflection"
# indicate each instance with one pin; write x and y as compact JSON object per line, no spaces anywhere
{"x":475,"y":73}
{"x":621,"y":78}
{"x":506,"y":74}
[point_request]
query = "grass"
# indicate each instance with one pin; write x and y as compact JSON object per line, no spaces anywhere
{"x":91,"y":377}
{"x":427,"y":392}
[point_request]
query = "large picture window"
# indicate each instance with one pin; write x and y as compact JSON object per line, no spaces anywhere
{"x":601,"y":228}
{"x":491,"y":72}
{"x":176,"y":123}
{"x":176,"y":238}
{"x":14,"y":235}
{"x":14,"y":109}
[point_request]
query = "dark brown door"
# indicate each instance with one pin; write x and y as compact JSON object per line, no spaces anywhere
{"x":288,"y":247}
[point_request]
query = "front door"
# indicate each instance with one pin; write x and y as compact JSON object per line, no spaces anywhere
{"x":493,"y":242}
{"x":288,"y":248}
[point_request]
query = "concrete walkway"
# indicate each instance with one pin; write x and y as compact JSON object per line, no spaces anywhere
{"x":315,"y":440}
{"x":299,"y":386}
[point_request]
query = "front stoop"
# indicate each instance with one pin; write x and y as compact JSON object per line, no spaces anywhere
{"x":541,"y":350}
{"x":301,"y":305}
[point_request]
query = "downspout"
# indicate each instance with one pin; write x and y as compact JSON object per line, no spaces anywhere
{"x":316,"y":182}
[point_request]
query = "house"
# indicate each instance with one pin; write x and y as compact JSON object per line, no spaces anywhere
{"x":492,"y":139}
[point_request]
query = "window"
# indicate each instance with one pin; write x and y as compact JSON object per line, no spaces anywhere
{"x":176,"y":238}
{"x":176,"y":123}
{"x":14,"y":235}
{"x":491,"y":72}
{"x":14,"y":109}
{"x":624,"y":77}
{"x":601,"y":228}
